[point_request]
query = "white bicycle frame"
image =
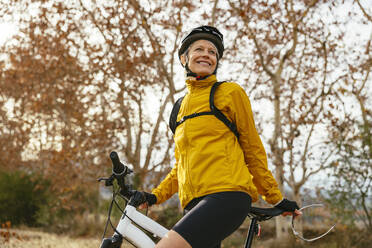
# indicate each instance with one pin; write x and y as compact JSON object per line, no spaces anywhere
{"x":135,"y":235}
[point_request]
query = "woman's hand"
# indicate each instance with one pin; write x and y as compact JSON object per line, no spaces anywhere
{"x":289,"y":207}
{"x":147,"y":199}
{"x":143,"y":205}
{"x":295,"y":213}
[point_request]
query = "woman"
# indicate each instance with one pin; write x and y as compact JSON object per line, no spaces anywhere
{"x":217,"y":173}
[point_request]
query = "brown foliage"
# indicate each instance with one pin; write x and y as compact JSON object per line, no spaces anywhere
{"x":296,"y":58}
{"x":77,"y":82}
{"x":79,"y":79}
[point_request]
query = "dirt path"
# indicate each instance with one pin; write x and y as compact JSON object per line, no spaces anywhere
{"x":28,"y":239}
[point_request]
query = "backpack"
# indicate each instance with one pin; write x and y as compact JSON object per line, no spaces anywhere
{"x":173,"y":123}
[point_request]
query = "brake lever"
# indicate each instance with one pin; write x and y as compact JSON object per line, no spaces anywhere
{"x":108,"y":180}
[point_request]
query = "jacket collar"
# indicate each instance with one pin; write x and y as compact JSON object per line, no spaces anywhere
{"x":193,"y":83}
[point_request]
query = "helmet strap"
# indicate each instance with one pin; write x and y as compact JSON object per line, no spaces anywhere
{"x":189,"y":73}
{"x":215,"y":70}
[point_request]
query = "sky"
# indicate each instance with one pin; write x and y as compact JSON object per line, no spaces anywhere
{"x":7,"y":29}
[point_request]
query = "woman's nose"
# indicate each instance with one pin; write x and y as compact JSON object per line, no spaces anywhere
{"x":205,"y":53}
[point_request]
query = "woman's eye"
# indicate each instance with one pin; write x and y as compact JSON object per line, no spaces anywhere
{"x":212,"y":52}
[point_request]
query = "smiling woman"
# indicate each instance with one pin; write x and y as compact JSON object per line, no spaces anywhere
{"x":201,"y":57}
{"x":206,"y":43}
{"x":218,"y":172}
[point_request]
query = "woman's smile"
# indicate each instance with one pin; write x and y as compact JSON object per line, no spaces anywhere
{"x":202,"y":58}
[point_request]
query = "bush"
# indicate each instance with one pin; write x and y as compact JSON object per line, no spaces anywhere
{"x":74,"y":212}
{"x":22,"y":196}
{"x":341,"y":237}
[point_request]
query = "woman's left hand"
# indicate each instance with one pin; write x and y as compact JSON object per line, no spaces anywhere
{"x":295,"y":213}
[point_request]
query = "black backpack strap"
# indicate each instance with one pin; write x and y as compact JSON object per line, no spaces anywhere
{"x":173,"y":117}
{"x":218,"y":113}
{"x":173,"y":123}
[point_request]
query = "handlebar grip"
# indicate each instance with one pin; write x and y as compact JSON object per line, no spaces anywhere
{"x":117,"y":166}
{"x":266,"y":211}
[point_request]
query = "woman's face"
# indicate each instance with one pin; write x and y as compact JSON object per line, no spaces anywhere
{"x":202,"y":57}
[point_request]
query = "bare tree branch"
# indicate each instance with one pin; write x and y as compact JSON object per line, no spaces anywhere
{"x":364,"y":11}
{"x":213,"y":20}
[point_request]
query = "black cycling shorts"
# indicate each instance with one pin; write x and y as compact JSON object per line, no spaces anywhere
{"x":210,"y":219}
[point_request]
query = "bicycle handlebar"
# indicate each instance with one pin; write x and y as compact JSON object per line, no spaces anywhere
{"x":262,"y":214}
{"x":120,"y":171}
{"x":266,"y":211}
{"x":117,"y":166}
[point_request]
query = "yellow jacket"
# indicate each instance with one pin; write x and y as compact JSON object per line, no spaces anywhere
{"x":209,"y":157}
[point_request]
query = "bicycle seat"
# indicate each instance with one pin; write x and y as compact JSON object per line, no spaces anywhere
{"x":264,"y":213}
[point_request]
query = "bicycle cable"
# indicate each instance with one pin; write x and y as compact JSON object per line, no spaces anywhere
{"x":115,"y":193}
{"x":297,"y":234}
{"x":113,"y":201}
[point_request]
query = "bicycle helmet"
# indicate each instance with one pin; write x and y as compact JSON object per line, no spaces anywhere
{"x":203,"y":33}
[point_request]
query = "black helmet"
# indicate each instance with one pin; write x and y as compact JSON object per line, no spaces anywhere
{"x":203,"y":33}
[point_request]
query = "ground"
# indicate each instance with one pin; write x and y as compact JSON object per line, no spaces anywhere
{"x":13,"y":238}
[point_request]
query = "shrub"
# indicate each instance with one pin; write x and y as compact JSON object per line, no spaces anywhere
{"x":22,"y":196}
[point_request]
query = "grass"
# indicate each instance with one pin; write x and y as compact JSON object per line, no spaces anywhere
{"x":342,"y":237}
{"x":14,"y":238}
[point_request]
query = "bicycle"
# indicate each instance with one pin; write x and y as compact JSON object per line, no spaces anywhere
{"x":131,"y":220}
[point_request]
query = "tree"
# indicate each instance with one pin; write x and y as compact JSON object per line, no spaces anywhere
{"x":350,"y":137}
{"x":87,"y":78}
{"x":102,"y":76}
{"x":44,"y":83}
{"x":292,"y":53}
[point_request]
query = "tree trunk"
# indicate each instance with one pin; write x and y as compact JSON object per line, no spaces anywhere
{"x":277,"y":153}
{"x":299,"y":221}
{"x":280,"y":222}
